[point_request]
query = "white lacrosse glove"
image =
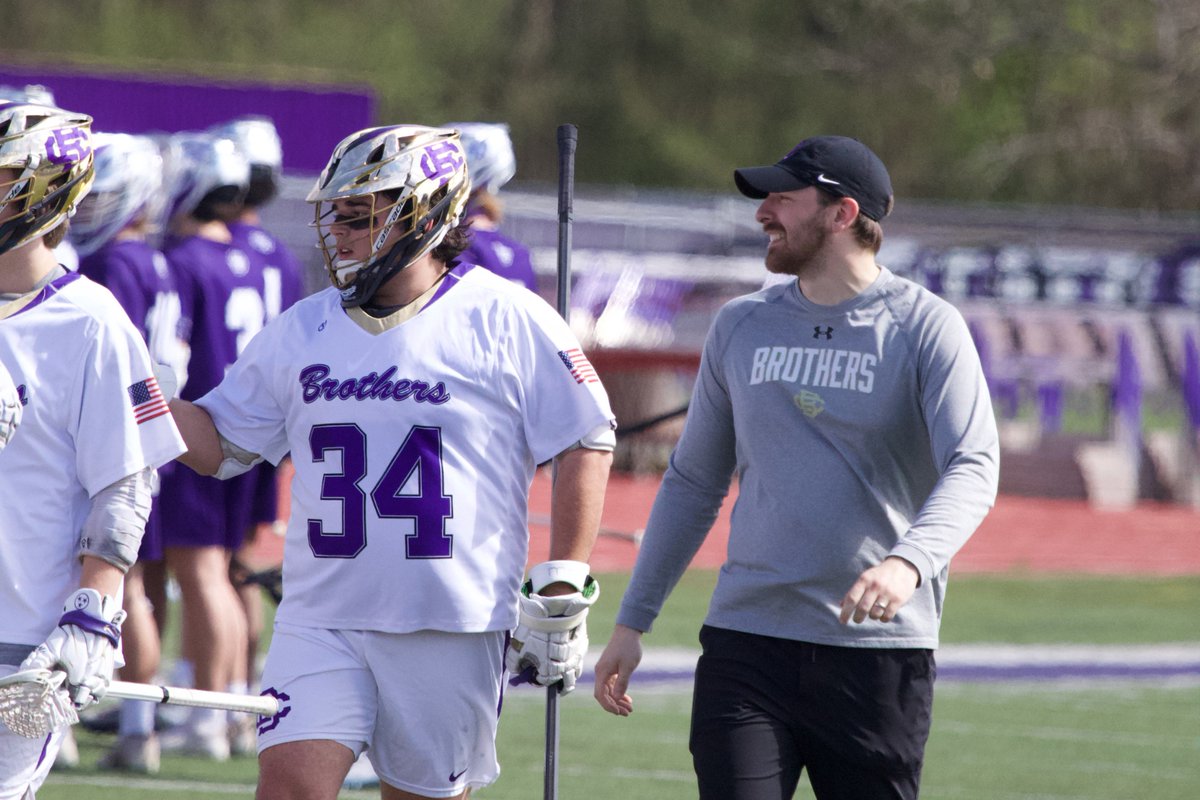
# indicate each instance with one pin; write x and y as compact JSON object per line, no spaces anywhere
{"x":84,"y":645}
{"x":550,"y":641}
{"x":10,"y":407}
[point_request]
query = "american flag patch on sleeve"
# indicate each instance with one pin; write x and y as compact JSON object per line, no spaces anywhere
{"x":577,"y":363}
{"x":148,"y":402}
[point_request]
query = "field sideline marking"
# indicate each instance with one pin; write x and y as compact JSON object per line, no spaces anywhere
{"x":150,"y":784}
{"x":1165,"y":740}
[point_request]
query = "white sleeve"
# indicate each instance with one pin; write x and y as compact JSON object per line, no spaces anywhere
{"x":121,"y":421}
{"x":562,"y":398}
{"x":244,"y":406}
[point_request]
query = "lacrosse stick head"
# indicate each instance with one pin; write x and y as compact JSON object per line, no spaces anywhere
{"x":34,"y":702}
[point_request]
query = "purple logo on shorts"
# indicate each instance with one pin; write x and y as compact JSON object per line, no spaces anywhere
{"x":68,"y":146}
{"x":270,"y":723}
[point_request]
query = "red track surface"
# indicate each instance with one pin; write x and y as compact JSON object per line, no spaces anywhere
{"x":1020,"y":534}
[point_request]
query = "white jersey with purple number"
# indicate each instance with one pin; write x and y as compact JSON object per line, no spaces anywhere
{"x":414,"y":449}
{"x":92,"y":415}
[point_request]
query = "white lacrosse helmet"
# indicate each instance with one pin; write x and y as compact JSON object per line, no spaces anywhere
{"x":51,"y":151}
{"x":415,"y":175}
{"x":258,"y":140}
{"x":256,"y":137}
{"x":128,"y":185}
{"x":30,"y":93}
{"x":196,"y":165}
{"x":490,"y":156}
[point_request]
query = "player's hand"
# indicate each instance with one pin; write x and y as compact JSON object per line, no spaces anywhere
{"x":618,"y":661}
{"x":84,"y":645}
{"x":551,"y":639}
{"x":880,"y":592}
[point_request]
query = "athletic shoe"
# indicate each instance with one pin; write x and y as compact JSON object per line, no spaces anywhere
{"x":68,"y":753}
{"x":133,"y":754}
{"x":188,"y":741}
{"x":361,"y":775}
{"x":101,"y":720}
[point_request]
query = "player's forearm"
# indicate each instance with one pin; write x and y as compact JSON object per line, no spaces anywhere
{"x":100,"y":575}
{"x":577,"y":502}
{"x":200,"y":435}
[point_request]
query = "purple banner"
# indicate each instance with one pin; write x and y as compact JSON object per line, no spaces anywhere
{"x":311,"y":119}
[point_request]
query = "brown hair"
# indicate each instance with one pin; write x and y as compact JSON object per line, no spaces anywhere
{"x":55,"y":237}
{"x":457,"y":240}
{"x":867,"y":232}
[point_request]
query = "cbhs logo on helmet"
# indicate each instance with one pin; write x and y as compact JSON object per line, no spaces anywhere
{"x":50,"y":151}
{"x":68,"y":145}
{"x":415,"y":178}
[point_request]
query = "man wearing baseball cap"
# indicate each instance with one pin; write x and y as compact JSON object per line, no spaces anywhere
{"x":851,"y":405}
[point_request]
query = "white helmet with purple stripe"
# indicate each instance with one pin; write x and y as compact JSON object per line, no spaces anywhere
{"x":258,"y":140}
{"x":200,"y":169}
{"x":128,"y":187}
{"x":490,"y":156}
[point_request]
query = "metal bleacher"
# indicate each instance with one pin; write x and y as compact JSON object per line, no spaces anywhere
{"x":1048,"y":292}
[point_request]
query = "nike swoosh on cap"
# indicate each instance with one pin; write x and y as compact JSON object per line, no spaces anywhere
{"x":822,"y":179}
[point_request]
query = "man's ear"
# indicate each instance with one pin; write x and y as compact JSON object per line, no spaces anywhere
{"x":847,"y":212}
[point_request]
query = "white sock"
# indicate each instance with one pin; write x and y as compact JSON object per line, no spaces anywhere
{"x":208,"y":721}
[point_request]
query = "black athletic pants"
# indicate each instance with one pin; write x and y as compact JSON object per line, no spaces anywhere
{"x":765,"y":709}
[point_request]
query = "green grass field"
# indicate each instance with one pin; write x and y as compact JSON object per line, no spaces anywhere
{"x":990,"y":741}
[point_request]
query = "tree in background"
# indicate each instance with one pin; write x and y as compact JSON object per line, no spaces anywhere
{"x":1083,"y":102}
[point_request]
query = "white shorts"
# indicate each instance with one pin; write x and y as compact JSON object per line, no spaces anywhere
{"x":24,"y":763}
{"x":424,"y":704}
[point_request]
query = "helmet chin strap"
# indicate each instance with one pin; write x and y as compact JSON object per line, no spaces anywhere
{"x":404,"y":249}
{"x":380,"y":273}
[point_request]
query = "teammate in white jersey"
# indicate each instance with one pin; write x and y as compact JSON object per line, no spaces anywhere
{"x":851,"y":405}
{"x":416,"y":398}
{"x":77,"y":477}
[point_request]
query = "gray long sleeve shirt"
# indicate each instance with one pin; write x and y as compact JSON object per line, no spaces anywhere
{"x":857,"y":431}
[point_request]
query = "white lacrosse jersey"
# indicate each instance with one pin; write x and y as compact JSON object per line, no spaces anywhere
{"x":92,"y":415}
{"x":414,"y":449}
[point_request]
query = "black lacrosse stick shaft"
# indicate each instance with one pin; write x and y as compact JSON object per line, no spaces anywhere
{"x":568,"y":138}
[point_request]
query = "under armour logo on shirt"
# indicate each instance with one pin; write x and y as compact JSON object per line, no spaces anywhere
{"x":818,"y":332}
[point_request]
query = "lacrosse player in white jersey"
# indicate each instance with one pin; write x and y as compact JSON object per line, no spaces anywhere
{"x":94,"y":426}
{"x":416,"y":397}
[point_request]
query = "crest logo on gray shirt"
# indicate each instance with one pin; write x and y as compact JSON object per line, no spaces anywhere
{"x":810,"y":403}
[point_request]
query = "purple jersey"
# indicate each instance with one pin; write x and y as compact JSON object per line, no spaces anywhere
{"x":138,"y":276}
{"x":221,"y":292}
{"x":283,"y":286}
{"x":502,"y":255}
{"x":283,"y":276}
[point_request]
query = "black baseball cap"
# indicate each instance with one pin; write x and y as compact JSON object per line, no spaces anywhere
{"x":837,"y":164}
